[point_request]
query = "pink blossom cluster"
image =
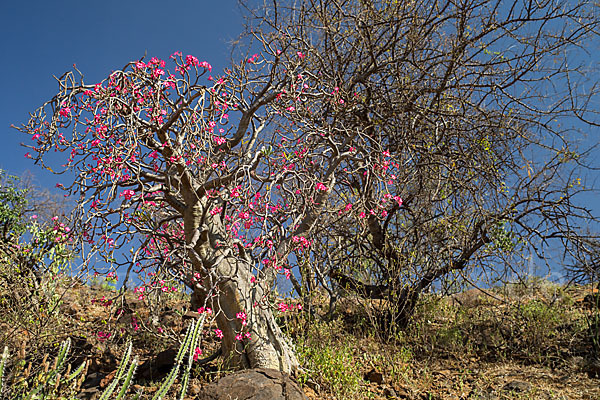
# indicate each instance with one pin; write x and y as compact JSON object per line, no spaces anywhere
{"x":321,"y":186}
{"x":241,"y":336}
{"x":103,"y":301}
{"x":283,"y":307}
{"x":161,"y":285}
{"x":197,"y":353}
{"x":102,"y":336}
{"x":242,"y":317}
{"x":303,"y":243}
{"x":219,"y":140}
{"x":61,"y":231}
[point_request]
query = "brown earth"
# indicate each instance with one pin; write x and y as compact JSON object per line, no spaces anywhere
{"x":519,"y":344}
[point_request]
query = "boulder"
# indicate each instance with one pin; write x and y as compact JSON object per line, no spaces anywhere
{"x":158,"y":366}
{"x":253,"y":384}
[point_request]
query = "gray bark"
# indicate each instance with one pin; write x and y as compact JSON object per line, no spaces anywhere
{"x":226,"y":287}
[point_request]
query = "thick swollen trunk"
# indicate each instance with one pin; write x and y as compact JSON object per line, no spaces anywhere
{"x":266,"y":346}
{"x":253,"y":341}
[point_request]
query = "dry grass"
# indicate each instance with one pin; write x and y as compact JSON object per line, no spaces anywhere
{"x":467,"y":346}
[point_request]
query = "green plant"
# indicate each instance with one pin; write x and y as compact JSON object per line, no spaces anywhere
{"x":2,"y":366}
{"x":329,"y":361}
{"x":121,"y":375}
{"x":46,"y":383}
{"x":34,"y":257}
{"x":52,"y":383}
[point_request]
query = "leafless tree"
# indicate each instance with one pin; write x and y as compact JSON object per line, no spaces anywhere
{"x":478,"y":103}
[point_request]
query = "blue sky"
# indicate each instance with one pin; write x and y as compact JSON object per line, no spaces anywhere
{"x":41,"y":38}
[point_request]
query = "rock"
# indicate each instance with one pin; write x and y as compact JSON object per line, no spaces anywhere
{"x":517,"y":386}
{"x":489,"y":395}
{"x":194,"y":389}
{"x":389,"y":392}
{"x":108,"y":379}
{"x":158,"y":366}
{"x":592,"y":368}
{"x":93,"y":380}
{"x":403,"y":393}
{"x":374,"y":376}
{"x":253,"y":384}
{"x":89,"y":394}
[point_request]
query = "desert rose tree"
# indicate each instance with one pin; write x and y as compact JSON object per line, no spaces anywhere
{"x":206,"y":177}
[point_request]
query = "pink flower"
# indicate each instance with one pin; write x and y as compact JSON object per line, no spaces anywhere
{"x":191,"y":60}
{"x":321,"y":186}
{"x":206,"y":65}
{"x":157,"y":72}
{"x":102,"y":336}
{"x":300,"y":54}
{"x":219,"y":140}
{"x":197,"y":353}
{"x":219,"y":333}
{"x":128,"y":194}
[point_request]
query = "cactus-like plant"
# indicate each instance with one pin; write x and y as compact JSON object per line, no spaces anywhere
{"x":188,"y":346}
{"x":50,"y":379}
{"x":120,"y":375}
{"x":2,"y":366}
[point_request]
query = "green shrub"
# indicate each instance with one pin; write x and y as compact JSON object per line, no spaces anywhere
{"x":329,"y":360}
